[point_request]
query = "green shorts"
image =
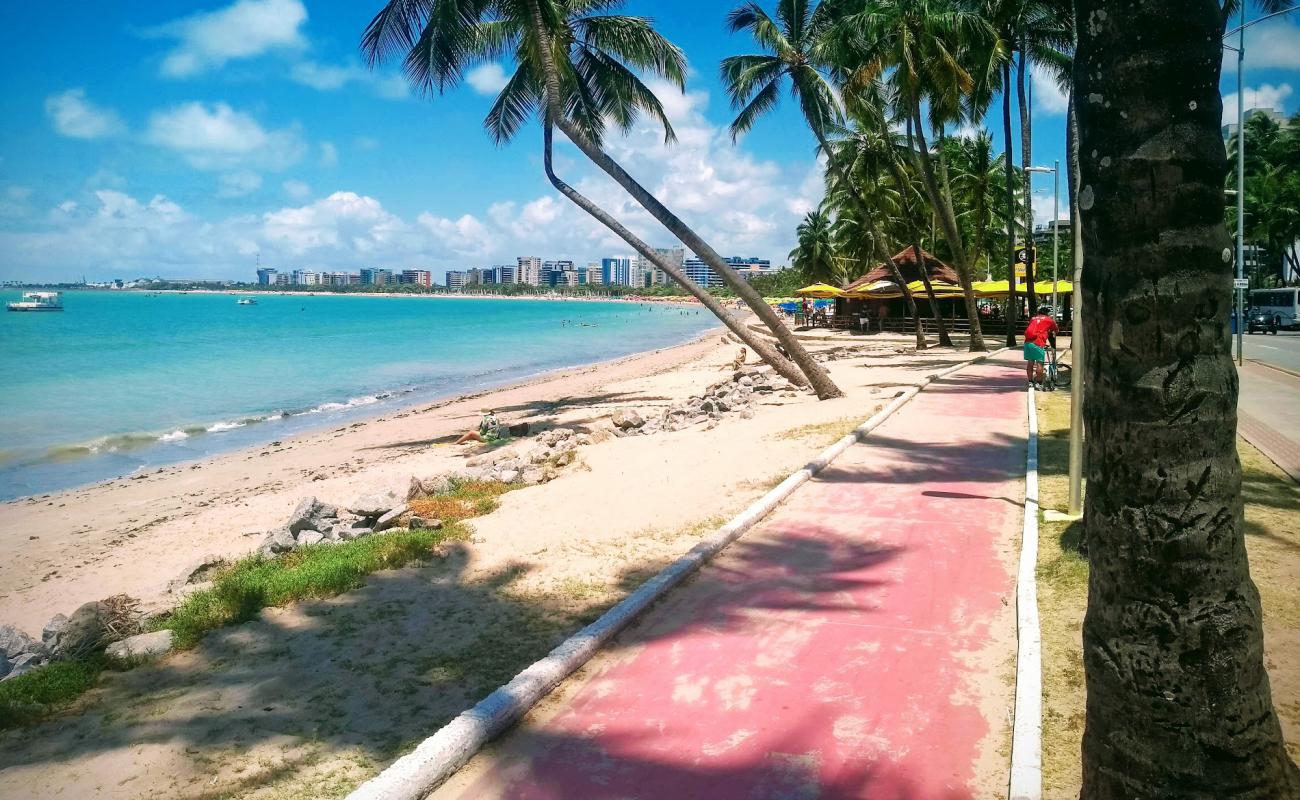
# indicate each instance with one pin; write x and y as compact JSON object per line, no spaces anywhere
{"x":1034,"y":353}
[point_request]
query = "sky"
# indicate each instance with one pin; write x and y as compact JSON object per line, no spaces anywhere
{"x":190,"y":140}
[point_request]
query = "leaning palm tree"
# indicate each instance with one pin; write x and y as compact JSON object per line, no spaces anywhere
{"x":576,"y":70}
{"x":1178,"y":698}
{"x":798,"y":52}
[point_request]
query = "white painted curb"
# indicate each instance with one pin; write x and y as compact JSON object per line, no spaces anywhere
{"x":1027,"y":733}
{"x":435,"y":759}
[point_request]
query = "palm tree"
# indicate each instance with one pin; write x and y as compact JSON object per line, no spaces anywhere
{"x":874,"y":152}
{"x":1178,"y":699}
{"x":797,"y":52}
{"x":919,"y":45}
{"x":814,"y":256}
{"x":575,"y":69}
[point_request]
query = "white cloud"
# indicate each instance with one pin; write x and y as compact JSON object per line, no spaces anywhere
{"x":72,"y":115}
{"x":296,"y":189}
{"x":16,"y":201}
{"x":67,"y":206}
{"x":248,"y":28}
{"x":365,"y":143}
{"x":238,"y":184}
{"x":1263,"y":96}
{"x":489,"y":78}
{"x":330,"y":77}
{"x":329,"y":154}
{"x":1271,"y":45}
{"x":1048,"y":97}
{"x":219,"y":137}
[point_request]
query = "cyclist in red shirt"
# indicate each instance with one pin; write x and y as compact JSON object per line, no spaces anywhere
{"x":1041,"y":329}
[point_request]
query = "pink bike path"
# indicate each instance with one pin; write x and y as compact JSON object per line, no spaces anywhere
{"x":857,"y":643}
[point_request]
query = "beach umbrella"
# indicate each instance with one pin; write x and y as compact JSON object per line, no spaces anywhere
{"x":822,"y":290}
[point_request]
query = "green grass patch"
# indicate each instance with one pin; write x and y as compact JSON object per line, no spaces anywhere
{"x":465,"y":499}
{"x":39,"y":693}
{"x":827,"y":432}
{"x":243,"y":589}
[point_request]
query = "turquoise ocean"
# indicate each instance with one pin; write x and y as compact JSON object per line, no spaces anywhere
{"x":120,"y":382}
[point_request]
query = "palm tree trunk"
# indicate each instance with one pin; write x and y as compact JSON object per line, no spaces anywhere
{"x":1013,"y":302}
{"x":900,"y":184}
{"x":759,"y":345}
{"x":942,"y":204}
{"x":1178,"y":700}
{"x":818,"y":378}
{"x":1026,"y":161}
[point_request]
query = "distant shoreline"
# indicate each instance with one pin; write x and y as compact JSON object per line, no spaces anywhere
{"x":685,"y":300}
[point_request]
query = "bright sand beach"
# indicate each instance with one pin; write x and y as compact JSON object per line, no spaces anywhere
{"x":308,"y":700}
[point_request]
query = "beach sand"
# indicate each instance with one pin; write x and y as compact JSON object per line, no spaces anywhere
{"x":309,"y":700}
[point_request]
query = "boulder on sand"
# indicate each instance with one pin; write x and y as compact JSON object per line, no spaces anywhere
{"x":309,"y":515}
{"x":389,"y":519}
{"x":375,"y":504}
{"x":627,"y":419}
{"x":139,"y":648}
{"x":83,"y":634}
{"x":277,"y":541}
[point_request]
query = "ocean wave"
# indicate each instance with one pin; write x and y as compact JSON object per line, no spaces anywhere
{"x":174,"y":436}
{"x":355,"y":402}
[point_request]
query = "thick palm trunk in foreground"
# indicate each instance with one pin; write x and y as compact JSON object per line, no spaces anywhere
{"x":759,"y":345}
{"x":1178,"y":699}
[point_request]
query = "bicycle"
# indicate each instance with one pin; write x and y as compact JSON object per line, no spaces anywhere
{"x":1056,"y":375}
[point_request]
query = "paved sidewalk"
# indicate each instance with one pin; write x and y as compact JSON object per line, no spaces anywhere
{"x":1268,"y":414}
{"x":858,"y":643}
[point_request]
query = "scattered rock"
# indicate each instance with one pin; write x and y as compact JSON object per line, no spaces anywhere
{"x":625,"y":419}
{"x":277,"y":541}
{"x":389,"y":519}
{"x":14,"y":642}
{"x":196,"y":572}
{"x":509,"y":475}
{"x":519,"y":429}
{"x":82,"y":635}
{"x":532,"y":476}
{"x":139,"y":648}
{"x":53,"y":628}
{"x":374,"y":504}
{"x":309,"y":537}
{"x":601,"y":435}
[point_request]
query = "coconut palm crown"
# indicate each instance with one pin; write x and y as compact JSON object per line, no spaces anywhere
{"x":598,"y":56}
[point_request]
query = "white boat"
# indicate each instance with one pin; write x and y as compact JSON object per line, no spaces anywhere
{"x":38,"y":301}
{"x":246,"y":301}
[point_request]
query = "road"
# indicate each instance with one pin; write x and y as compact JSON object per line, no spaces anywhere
{"x":1282,"y":350}
{"x":1269,"y":405}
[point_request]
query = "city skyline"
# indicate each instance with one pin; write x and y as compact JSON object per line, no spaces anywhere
{"x":251,"y":126}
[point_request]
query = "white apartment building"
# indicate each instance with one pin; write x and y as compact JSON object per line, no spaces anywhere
{"x":530,"y":270}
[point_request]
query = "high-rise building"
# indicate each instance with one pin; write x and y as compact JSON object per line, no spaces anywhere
{"x":304,"y":277}
{"x":283,"y":279}
{"x":749,"y":266}
{"x":676,"y":256}
{"x":700,"y":273}
{"x":507,"y":273}
{"x":376,"y":277}
{"x":618,"y":270}
{"x":594,"y":275}
{"x":266,"y":276}
{"x":530,"y":270}
{"x":455,"y":280}
{"x":419,"y":277}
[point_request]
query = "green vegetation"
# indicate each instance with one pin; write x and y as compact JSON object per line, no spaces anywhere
{"x":41,"y":692}
{"x":243,"y":589}
{"x":1272,"y":195}
{"x":465,"y":499}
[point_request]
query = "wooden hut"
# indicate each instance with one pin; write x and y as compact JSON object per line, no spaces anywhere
{"x":890,"y":309}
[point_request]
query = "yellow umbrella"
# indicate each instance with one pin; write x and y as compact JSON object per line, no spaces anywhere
{"x":821,"y":291}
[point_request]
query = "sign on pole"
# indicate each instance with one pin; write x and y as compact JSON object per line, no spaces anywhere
{"x":1241,"y":283}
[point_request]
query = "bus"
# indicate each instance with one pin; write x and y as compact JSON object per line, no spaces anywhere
{"x":1283,"y":304}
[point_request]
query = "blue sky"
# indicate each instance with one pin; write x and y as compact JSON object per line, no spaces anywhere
{"x":184,"y":140}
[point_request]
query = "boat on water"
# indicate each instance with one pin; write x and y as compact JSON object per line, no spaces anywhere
{"x":245,"y":301}
{"x":38,"y":301}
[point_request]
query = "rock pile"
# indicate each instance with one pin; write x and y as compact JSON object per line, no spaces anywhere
{"x":92,"y":626}
{"x":736,"y":395}
{"x":550,"y":452}
{"x":314,"y":522}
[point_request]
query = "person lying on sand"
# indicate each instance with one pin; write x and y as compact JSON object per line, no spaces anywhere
{"x":489,"y":430}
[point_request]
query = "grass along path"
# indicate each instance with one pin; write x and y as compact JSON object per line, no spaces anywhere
{"x":241,"y":590}
{"x":1273,"y":546}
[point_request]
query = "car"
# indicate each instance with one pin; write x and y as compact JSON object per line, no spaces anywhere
{"x":1262,"y":321}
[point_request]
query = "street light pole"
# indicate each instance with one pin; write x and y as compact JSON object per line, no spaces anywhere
{"x":1056,"y":228}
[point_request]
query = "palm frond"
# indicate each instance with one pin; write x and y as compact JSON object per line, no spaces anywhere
{"x":634,"y":41}
{"x":764,"y":100}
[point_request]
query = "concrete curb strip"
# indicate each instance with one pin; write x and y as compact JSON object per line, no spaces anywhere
{"x":1027,"y":733}
{"x":435,"y":759}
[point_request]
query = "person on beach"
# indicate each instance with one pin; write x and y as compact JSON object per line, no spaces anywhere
{"x":1041,"y":329}
{"x":489,"y":430}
